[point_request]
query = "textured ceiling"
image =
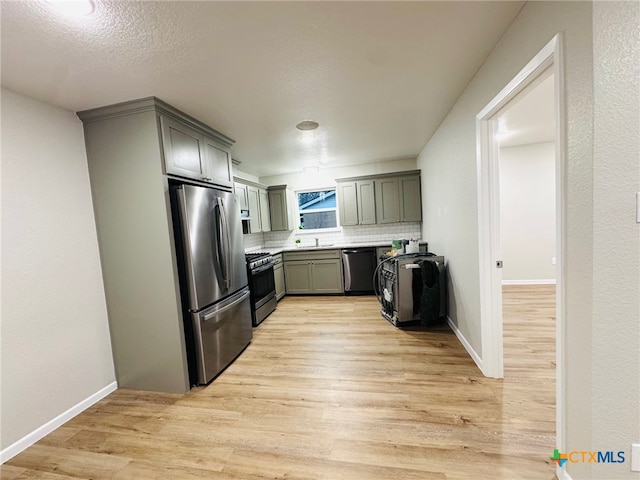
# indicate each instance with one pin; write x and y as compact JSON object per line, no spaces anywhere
{"x":379,"y":77}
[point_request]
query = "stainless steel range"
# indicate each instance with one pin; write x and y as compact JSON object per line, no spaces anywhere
{"x":400,"y":287}
{"x":262,"y":285}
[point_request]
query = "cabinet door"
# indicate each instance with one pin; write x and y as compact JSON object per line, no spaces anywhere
{"x":347,"y":203}
{"x":183,"y":148}
{"x":254,"y":208}
{"x":265,"y":216}
{"x":217,"y":165}
{"x":297,"y":276}
{"x":410,"y":199}
{"x":366,"y":202}
{"x":327,"y":276}
{"x":241,"y":195}
{"x":387,"y":200}
{"x":278,"y":272}
{"x":278,"y":209}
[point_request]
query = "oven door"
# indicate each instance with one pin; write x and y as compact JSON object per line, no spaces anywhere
{"x":263,"y":284}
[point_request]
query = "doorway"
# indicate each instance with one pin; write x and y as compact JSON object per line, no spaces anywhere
{"x":547,"y":62}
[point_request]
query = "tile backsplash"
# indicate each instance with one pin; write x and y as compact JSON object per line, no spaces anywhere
{"x":253,"y":241}
{"x":347,"y":235}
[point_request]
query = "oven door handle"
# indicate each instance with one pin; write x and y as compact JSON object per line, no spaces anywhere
{"x":262,"y":268}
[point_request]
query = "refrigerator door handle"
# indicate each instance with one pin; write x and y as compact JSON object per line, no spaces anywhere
{"x":226,"y":244}
{"x":217,"y":237}
{"x":182,"y":203}
{"x":228,"y":304}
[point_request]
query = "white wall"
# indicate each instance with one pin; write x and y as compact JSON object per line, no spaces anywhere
{"x":616,"y":235}
{"x":528,"y":212}
{"x":56,"y":350}
{"x":600,"y":295}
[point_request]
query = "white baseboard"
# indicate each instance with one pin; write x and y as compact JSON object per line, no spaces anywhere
{"x":467,"y":346}
{"x":539,"y":281}
{"x":40,"y":432}
{"x":562,"y":474}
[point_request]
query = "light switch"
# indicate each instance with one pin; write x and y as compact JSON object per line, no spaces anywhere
{"x":635,"y":457}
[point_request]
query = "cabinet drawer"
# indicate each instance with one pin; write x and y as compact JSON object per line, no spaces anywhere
{"x":311,"y":255}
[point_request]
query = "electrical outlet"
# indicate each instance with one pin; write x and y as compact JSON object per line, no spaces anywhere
{"x":553,"y":260}
{"x":635,"y":457}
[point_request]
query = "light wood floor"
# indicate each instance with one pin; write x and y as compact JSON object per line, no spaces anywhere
{"x":330,"y":390}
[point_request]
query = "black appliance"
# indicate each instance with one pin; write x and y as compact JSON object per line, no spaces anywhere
{"x":262,"y":284}
{"x":358,"y":266}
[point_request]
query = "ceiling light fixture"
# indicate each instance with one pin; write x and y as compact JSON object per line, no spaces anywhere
{"x":307,"y":125}
{"x":73,"y":8}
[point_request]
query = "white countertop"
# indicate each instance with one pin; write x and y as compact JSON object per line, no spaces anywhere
{"x":335,"y":246}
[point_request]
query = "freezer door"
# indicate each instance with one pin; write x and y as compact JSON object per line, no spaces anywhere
{"x":213,"y":245}
{"x":222,"y":332}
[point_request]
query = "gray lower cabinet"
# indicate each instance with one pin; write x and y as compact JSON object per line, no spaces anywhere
{"x":297,"y":276}
{"x":313,"y":272}
{"x":326,"y":276}
{"x":278,"y":271}
{"x":126,"y":147}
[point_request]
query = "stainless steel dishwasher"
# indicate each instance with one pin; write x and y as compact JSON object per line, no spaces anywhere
{"x":358,"y":266}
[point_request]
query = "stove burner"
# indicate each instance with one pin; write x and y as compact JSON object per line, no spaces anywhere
{"x":256,"y":255}
{"x":257,"y":259}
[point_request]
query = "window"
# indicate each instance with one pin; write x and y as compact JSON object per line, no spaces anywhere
{"x":317,"y":209}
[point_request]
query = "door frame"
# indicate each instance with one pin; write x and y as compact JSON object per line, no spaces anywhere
{"x":489,"y":222}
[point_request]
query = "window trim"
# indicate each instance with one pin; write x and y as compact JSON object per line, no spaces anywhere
{"x":337,"y":228}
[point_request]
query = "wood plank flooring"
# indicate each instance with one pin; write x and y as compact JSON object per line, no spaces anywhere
{"x":328,"y":389}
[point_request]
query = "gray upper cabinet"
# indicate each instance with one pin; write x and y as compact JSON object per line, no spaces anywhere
{"x":398,"y":199}
{"x":183,"y":149}
{"x":356,"y":202}
{"x":410,"y":199}
{"x":366,"y":202}
{"x":188,"y":152}
{"x":281,"y":208}
{"x":348,"y":203}
{"x":254,"y":198}
{"x":265,"y":215}
{"x":240,"y":190}
{"x":217,"y":163}
{"x":386,"y":198}
{"x":254,"y":209}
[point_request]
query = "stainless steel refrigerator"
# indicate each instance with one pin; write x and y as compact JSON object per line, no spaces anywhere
{"x":213,"y":278}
